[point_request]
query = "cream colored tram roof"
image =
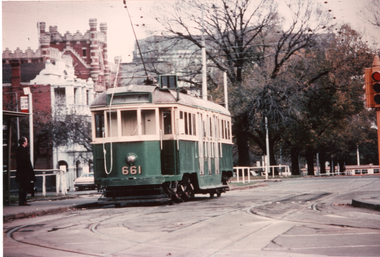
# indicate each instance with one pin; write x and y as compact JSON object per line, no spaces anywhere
{"x":161,"y":97}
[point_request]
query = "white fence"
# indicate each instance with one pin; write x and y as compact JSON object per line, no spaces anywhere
{"x":60,"y":180}
{"x":350,"y":170}
{"x":284,"y":170}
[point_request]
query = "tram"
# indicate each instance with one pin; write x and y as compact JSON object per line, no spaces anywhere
{"x":154,"y":143}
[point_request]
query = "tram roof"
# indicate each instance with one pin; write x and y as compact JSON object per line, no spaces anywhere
{"x":158,"y":96}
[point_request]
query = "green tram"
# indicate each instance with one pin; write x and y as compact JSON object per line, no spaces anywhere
{"x":152,"y":143}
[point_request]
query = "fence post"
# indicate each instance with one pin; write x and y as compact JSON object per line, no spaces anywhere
{"x":57,"y":182}
{"x":64,"y":184}
{"x":43,"y":183}
{"x":249,"y":175}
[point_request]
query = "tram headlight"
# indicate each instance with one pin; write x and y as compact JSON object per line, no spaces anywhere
{"x":131,"y":158}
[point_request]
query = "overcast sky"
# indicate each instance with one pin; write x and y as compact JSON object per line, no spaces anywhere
{"x":19,"y":20}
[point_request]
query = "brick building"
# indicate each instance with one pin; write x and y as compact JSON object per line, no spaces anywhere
{"x":63,"y":75}
{"x":88,"y":51}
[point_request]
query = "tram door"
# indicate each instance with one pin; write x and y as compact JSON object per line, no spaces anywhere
{"x":168,"y":147}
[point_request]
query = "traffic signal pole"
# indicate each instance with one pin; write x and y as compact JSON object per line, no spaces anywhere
{"x":372,"y":93}
{"x":378,"y":131}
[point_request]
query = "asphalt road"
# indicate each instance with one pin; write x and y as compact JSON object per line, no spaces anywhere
{"x":295,"y":217}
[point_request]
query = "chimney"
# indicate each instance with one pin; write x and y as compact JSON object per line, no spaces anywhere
{"x":16,"y":72}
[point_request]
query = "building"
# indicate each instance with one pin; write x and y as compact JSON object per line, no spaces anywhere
{"x":165,"y":56}
{"x":88,"y":51}
{"x":63,"y":76}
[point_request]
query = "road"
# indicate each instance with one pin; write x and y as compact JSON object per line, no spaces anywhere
{"x":295,"y":217}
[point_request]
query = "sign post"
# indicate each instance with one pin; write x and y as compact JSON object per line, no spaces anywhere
{"x":26,"y":104}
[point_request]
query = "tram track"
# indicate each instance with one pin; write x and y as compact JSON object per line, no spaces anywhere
{"x":181,"y":229}
{"x":109,"y":223}
{"x":11,"y":235}
{"x":94,"y":228}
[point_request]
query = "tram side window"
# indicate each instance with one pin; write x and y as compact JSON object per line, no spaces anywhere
{"x":194,"y":125}
{"x":99,"y":125}
{"x":129,"y":123}
{"x":186,"y":126}
{"x":222,"y":130}
{"x":189,"y":122}
{"x":112,"y":124}
{"x":210,"y":121}
{"x":228,"y":130}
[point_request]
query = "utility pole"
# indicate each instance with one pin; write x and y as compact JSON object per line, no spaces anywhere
{"x":204,"y":68}
{"x":225,"y":90}
{"x":372,"y":93}
{"x":267,"y":143}
{"x":31,"y":132}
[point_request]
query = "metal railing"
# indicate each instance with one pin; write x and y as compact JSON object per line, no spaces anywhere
{"x":261,"y":172}
{"x":60,"y":179}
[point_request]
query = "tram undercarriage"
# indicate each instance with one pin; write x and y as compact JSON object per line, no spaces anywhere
{"x":173,"y":192}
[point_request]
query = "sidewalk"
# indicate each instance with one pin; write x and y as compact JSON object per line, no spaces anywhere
{"x":369,"y":202}
{"x":50,"y":205}
{"x":84,"y":199}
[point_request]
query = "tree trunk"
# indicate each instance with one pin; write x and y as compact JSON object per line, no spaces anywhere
{"x":310,"y":161}
{"x":243,"y":148}
{"x":272,"y":158}
{"x":342,"y":165}
{"x":332,"y":164}
{"x":294,"y":157}
{"x":322,"y":161}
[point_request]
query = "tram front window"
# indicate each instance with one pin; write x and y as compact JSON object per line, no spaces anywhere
{"x":167,"y":117}
{"x":129,"y":123}
{"x":148,"y":120}
{"x":112,"y":124}
{"x":99,"y":125}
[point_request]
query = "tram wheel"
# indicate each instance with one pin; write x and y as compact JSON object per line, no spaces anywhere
{"x":187,"y":193}
{"x":176,"y":198}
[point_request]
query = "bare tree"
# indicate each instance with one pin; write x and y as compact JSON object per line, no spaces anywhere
{"x":241,"y":34}
{"x":371,"y":13}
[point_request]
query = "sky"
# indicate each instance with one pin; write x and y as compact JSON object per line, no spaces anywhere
{"x":19,"y":20}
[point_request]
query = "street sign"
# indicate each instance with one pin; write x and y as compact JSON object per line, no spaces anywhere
{"x":24,"y":103}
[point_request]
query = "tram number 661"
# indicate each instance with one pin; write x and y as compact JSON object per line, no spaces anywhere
{"x":133,"y":170}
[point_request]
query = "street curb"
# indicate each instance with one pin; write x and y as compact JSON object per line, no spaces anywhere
{"x":260,"y":183}
{"x":35,"y":213}
{"x":365,"y":204}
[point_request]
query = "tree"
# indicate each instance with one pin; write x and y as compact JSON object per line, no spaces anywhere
{"x":371,"y":13}
{"x":240,"y":34}
{"x":73,"y":129}
{"x":331,"y":97}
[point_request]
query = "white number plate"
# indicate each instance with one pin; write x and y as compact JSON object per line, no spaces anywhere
{"x":133,"y":170}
